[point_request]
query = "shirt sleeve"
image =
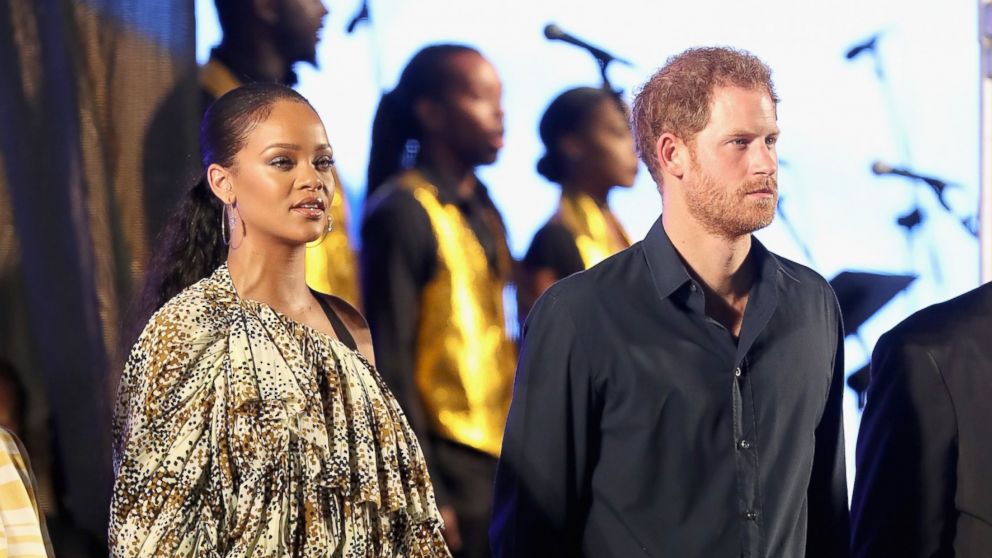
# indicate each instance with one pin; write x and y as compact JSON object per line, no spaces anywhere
{"x":828,"y":523}
{"x":543,"y":467}
{"x":399,"y":257}
{"x":167,"y":498}
{"x":904,"y":492}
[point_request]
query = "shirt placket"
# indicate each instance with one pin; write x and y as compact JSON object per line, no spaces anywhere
{"x":746,"y":461}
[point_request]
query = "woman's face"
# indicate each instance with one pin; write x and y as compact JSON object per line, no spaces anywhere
{"x":282,"y":181}
{"x":603,"y":151}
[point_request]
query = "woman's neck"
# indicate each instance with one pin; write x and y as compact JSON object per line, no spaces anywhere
{"x":576,"y":185}
{"x":272,"y":274}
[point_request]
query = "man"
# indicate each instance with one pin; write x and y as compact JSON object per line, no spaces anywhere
{"x":683,"y":398}
{"x":434,"y":265}
{"x":924,"y":452}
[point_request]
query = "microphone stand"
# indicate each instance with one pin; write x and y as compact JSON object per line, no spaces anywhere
{"x":915,"y":215}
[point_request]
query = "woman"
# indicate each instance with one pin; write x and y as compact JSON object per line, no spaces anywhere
{"x":589,"y":150}
{"x":250,"y":420}
{"x":434,"y":264}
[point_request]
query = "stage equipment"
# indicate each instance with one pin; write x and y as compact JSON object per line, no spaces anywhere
{"x":985,"y":143}
{"x":554,"y":33}
{"x":861,"y":295}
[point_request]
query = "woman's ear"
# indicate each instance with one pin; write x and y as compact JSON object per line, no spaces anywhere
{"x":571,"y":148}
{"x":219,"y":179}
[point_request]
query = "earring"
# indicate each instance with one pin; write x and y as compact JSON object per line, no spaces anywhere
{"x":330,"y":222}
{"x":225,"y":226}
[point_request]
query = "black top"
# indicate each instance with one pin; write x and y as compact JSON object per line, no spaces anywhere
{"x":925,"y":444}
{"x":640,"y":428}
{"x":553,"y":247}
{"x":398,"y":259}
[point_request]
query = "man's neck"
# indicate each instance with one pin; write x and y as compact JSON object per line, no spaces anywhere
{"x":444,"y":166}
{"x":260,"y":59}
{"x":721,"y":264}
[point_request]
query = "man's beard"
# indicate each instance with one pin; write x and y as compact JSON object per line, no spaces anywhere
{"x":728,"y":212}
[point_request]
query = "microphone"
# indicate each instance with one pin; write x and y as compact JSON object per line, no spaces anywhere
{"x":360,"y":16}
{"x":554,"y":33}
{"x":857,"y":49}
{"x":938,"y":185}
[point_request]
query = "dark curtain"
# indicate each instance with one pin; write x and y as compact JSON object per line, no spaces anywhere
{"x":79,"y":84}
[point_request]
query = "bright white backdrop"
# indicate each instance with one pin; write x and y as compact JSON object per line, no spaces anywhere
{"x":836,"y":115}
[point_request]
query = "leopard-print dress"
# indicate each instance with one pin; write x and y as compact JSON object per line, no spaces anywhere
{"x":241,"y":433}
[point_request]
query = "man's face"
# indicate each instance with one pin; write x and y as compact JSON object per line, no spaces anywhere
{"x":298,"y":28}
{"x":472,"y":121}
{"x":731,"y":185}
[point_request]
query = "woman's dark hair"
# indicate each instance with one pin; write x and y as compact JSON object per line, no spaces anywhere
{"x":426,"y":75}
{"x":569,"y":113}
{"x":191,"y":247}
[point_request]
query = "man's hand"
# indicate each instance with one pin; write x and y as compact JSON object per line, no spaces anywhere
{"x":451,"y":534}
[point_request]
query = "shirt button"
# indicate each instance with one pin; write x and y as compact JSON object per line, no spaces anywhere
{"x":744,"y":444}
{"x":737,"y":371}
{"x":751,"y":515}
{"x":692,"y":287}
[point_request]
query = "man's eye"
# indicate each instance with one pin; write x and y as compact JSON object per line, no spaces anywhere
{"x":772,"y":140}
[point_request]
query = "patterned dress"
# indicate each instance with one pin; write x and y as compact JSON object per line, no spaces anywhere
{"x":240,"y":432}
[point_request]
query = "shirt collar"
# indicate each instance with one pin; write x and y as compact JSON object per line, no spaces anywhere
{"x":447,"y":192}
{"x":669,"y":273}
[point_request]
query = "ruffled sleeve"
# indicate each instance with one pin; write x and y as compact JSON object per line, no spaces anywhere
{"x":173,"y":479}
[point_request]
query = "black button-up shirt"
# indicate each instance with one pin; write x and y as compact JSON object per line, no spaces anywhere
{"x":640,"y":427}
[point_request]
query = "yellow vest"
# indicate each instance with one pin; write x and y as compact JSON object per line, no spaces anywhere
{"x":464,"y":360}
{"x":331,"y":265}
{"x":591,"y":226}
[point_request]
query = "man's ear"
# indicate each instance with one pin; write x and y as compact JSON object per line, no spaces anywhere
{"x":672,"y":154}
{"x":266,"y":11}
{"x":219,"y":180}
{"x":429,"y":114}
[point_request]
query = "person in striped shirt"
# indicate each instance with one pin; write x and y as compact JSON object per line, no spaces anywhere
{"x":22,"y":526}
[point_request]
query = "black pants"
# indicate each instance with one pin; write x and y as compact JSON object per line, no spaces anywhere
{"x":468,"y":475}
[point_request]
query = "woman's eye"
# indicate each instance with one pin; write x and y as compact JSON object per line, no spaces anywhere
{"x":281,"y":162}
{"x":324,"y":163}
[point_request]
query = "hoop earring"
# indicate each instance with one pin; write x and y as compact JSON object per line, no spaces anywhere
{"x":225,"y":226}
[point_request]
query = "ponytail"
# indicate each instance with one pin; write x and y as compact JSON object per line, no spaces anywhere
{"x":392,"y":129}
{"x":189,"y":249}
